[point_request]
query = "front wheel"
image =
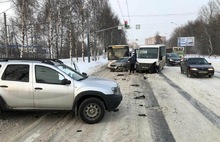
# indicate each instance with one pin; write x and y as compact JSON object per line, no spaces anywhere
{"x":91,"y":110}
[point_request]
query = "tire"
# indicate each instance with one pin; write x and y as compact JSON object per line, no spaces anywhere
{"x":123,"y":69}
{"x":1,"y":111}
{"x":91,"y":110}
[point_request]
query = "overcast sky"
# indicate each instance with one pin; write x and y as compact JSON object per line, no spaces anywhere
{"x":152,"y":15}
{"x":155,"y":16}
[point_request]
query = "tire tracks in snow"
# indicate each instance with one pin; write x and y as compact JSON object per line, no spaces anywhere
{"x":209,"y":114}
{"x":160,"y":130}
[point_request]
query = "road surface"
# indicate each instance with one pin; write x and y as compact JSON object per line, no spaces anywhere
{"x":156,"y":107}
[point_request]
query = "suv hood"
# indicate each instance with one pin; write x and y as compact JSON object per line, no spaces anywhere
{"x":96,"y":81}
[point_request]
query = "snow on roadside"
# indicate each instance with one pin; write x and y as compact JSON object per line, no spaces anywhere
{"x":88,"y":67}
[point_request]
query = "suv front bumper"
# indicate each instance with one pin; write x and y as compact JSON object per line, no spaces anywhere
{"x":112,"y":101}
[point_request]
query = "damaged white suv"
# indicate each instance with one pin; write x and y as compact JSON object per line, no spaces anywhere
{"x":48,"y":84}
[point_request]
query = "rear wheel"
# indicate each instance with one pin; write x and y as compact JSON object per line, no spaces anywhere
{"x":0,"y":112}
{"x":91,"y":110}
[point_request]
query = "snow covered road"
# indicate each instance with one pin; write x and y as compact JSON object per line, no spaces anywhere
{"x":155,"y":107}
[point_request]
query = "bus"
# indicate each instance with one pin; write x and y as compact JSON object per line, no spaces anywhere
{"x":151,"y":58}
{"x":114,"y":52}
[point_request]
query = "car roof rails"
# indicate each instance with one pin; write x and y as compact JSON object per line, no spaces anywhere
{"x":43,"y":60}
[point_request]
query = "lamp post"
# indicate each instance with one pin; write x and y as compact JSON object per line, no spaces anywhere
{"x":178,"y":38}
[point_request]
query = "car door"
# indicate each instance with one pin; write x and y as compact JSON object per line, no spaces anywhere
{"x":16,"y":85}
{"x":49,"y":92}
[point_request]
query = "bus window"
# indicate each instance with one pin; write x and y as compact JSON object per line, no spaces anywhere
{"x":117,"y":51}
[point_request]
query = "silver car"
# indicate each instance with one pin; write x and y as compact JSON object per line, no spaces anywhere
{"x":51,"y":85}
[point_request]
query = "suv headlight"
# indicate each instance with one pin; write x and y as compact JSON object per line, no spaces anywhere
{"x":210,"y":69}
{"x":115,"y":90}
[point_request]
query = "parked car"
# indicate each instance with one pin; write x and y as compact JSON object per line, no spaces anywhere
{"x":47,"y":84}
{"x":196,"y":67}
{"x":172,"y":59}
{"x":121,"y":64}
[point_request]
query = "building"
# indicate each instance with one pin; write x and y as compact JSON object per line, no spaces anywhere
{"x":155,"y":40}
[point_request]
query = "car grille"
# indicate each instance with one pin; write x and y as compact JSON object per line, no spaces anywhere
{"x":112,"y":65}
{"x":202,"y":69}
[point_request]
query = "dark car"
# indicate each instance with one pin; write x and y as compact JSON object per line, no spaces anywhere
{"x":121,"y":64}
{"x":196,"y":67}
{"x":172,"y":59}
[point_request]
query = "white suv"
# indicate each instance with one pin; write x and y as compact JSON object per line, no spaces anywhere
{"x":49,"y":84}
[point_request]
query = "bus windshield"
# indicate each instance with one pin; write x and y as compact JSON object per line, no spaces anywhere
{"x":148,"y":53}
{"x":117,"y":51}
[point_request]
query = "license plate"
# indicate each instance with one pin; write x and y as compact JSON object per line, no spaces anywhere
{"x":203,"y":72}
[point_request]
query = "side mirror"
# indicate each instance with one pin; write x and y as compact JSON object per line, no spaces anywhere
{"x":210,"y":63}
{"x":84,"y":74}
{"x":65,"y":82}
{"x":160,"y":58}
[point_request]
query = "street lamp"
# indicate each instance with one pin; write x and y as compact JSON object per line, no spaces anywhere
{"x":178,"y":38}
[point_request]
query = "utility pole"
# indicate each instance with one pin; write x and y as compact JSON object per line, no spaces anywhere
{"x":178,"y":38}
{"x":6,"y":35}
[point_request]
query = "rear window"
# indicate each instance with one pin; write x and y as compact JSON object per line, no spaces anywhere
{"x":16,"y":73}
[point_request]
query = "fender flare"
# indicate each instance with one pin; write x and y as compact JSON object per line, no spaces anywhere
{"x":84,"y":95}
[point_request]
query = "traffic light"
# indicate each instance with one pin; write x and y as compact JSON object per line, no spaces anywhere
{"x":126,"y":24}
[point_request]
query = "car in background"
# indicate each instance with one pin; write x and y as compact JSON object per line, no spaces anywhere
{"x":196,"y":67}
{"x":121,"y":64}
{"x":172,"y":59}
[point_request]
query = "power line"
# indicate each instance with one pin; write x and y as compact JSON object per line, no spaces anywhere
{"x":157,"y":15}
{"x":6,"y":10}
{"x":4,"y":1}
{"x":128,"y":11}
{"x":120,"y":9}
{"x":129,"y":17}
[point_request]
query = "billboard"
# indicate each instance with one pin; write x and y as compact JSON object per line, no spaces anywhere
{"x":186,"y":41}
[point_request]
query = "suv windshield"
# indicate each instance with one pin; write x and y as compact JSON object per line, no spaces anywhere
{"x":70,"y":72}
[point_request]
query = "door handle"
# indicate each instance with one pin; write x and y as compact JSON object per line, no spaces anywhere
{"x":3,"y":86}
{"x":38,"y":88}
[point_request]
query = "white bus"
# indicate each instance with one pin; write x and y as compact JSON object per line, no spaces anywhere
{"x":151,"y":58}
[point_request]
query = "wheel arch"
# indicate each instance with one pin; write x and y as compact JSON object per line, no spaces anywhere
{"x":84,"y":95}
